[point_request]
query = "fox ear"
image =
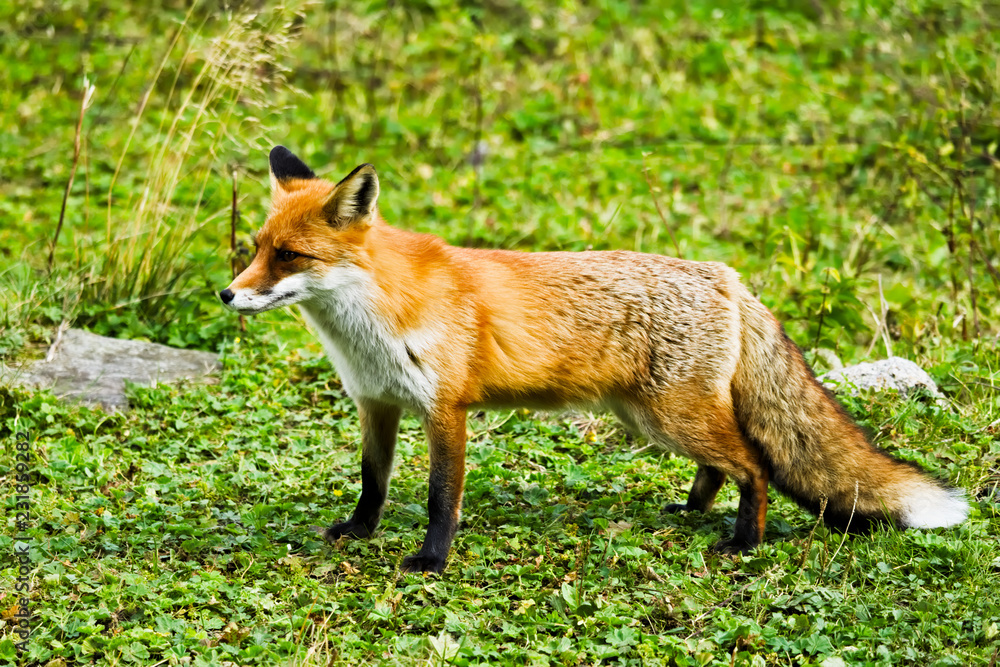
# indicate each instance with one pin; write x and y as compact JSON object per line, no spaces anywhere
{"x":353,"y":199}
{"x":285,"y":166}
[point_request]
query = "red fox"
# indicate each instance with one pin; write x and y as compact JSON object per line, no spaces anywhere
{"x":679,"y":350}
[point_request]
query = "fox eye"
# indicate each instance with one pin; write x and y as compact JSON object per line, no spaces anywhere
{"x":286,"y":255}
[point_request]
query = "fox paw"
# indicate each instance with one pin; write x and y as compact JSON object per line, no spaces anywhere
{"x":349,"y":528}
{"x":421,"y":563}
{"x":733,"y":545}
{"x":674,"y":508}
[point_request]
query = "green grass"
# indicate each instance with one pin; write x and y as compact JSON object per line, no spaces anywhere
{"x":183,"y":528}
{"x":816,"y":147}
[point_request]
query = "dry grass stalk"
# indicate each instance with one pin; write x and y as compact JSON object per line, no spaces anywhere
{"x":204,"y":116}
{"x":88,"y":98}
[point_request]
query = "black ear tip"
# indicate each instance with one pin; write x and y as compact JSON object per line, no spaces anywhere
{"x":285,"y":164}
{"x":367,"y":167}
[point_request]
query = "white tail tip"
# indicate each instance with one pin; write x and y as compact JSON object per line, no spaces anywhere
{"x":934,"y":507}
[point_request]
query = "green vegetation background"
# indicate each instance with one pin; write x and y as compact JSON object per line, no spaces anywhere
{"x":821,"y":148}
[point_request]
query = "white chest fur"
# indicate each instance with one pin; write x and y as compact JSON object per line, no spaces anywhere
{"x":372,"y":360}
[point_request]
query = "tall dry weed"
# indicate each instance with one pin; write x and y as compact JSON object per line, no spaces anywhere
{"x":221,"y":72}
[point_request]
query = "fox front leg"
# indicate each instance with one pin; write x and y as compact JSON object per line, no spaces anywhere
{"x":379,"y":424}
{"x":446,"y":437}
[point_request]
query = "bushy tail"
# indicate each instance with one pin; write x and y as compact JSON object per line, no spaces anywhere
{"x":814,"y":448}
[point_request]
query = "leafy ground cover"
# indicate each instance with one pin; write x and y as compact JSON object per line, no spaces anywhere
{"x":181,"y":532}
{"x":821,"y":149}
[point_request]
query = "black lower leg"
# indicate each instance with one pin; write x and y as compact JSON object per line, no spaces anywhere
{"x":442,"y":511}
{"x":446,"y":433}
{"x":749,"y":529}
{"x":379,"y":424}
{"x":369,"y":509}
{"x":707,"y":482}
{"x":368,"y":512}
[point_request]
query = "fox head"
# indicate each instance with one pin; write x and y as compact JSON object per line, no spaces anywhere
{"x":311,"y":242}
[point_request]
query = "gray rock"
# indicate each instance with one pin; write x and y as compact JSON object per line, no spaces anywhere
{"x":893,"y":373}
{"x":92,"y":369}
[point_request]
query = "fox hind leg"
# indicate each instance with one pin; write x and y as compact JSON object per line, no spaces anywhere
{"x":750,"y":515}
{"x":701,"y":497}
{"x":712,"y":437}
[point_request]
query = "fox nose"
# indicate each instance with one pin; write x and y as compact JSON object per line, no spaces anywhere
{"x":226,"y":295}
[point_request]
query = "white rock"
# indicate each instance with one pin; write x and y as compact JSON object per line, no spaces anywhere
{"x":893,"y":373}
